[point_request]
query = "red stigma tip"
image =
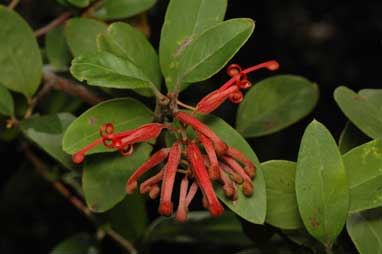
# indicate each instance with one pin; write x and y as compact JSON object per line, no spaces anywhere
{"x":78,"y":158}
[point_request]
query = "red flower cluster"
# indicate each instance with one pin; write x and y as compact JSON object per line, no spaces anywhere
{"x":220,"y":163}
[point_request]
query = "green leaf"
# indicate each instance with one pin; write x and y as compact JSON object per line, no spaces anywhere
{"x":105,"y":176}
{"x":81,"y":35}
{"x":56,"y":48}
{"x":183,"y":22}
{"x":351,"y":137}
{"x":81,"y":243}
{"x":363,"y":167}
{"x":124,"y":114}
{"x":129,"y":218}
{"x":321,"y":184}
{"x":120,"y":9}
{"x":365,"y":230}
{"x":126,"y":42}
{"x":274,"y":104}
{"x":108,"y":70}
{"x":363,"y":109}
{"x":252,"y":209}
{"x":210,"y":51}
{"x":282,"y":211}
{"x":200,"y":227}
{"x":79,"y":3}
{"x":7,"y":106}
{"x":47,"y":132}
{"x":20,"y":58}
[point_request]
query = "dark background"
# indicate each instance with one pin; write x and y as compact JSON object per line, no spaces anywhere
{"x":329,"y":42}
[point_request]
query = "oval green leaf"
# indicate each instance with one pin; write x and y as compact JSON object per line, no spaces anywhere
{"x":351,"y":137}
{"x":212,"y":49}
{"x":252,"y":209}
{"x":321,"y":184}
{"x":57,"y":49}
{"x":274,"y":104}
{"x":105,"y":176}
{"x":129,"y":218}
{"x":124,"y":113}
{"x":365,"y":230}
{"x":183,"y":22}
{"x":20,"y":58}
{"x":126,"y":42}
{"x":7,"y":106}
{"x":47,"y":132}
{"x":80,"y":3}
{"x":363,"y":167}
{"x":120,"y":9}
{"x":108,"y":70}
{"x":81,"y":243}
{"x":282,"y":211}
{"x":81,"y":35}
{"x":363,"y":109}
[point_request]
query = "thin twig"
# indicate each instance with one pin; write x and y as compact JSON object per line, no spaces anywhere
{"x":33,"y":102}
{"x":54,"y":23}
{"x":70,"y":87}
{"x":185,"y":105}
{"x":43,"y":171}
{"x":13,"y":4}
{"x":92,"y":8}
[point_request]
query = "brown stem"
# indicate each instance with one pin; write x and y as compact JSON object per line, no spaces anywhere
{"x":185,"y":105}
{"x":92,"y":8}
{"x":13,"y":4}
{"x":43,"y":171}
{"x":54,"y":23}
{"x":71,"y":88}
{"x":33,"y":102}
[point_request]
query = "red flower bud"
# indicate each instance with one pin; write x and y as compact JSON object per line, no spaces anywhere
{"x":142,"y":133}
{"x":213,"y":169}
{"x":197,"y":125}
{"x":214,"y":99}
{"x":201,"y":176}
{"x":154,"y":160}
{"x":181,"y":213}
{"x":165,"y":205}
{"x":249,"y":167}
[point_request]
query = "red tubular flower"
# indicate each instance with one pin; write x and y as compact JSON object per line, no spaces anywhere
{"x":231,"y":89}
{"x":197,"y":125}
{"x":165,"y":205}
{"x":181,"y":213}
{"x":249,"y":167}
{"x":154,"y":160}
{"x":247,"y":185}
{"x":147,"y":185}
{"x":122,"y":141}
{"x":191,"y":193}
{"x":214,"y":99}
{"x":201,"y":176}
{"x":213,"y":169}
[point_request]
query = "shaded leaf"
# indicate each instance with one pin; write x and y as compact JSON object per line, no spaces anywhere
{"x":365,"y":230}
{"x":129,"y":218}
{"x":105,"y":176}
{"x":81,"y":35}
{"x":321,"y":184}
{"x":200,"y":227}
{"x":81,"y":243}
{"x":108,"y":70}
{"x":351,"y":137}
{"x":363,"y":166}
{"x":282,"y":211}
{"x":274,"y":104}
{"x":120,"y":9}
{"x":124,"y":113}
{"x":7,"y":106}
{"x":56,"y":48}
{"x":79,"y":3}
{"x":183,"y":22}
{"x":364,"y":109}
{"x":252,"y":209}
{"x":211,"y":50}
{"x":20,"y":59}
{"x":47,"y":132}
{"x":126,"y":42}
